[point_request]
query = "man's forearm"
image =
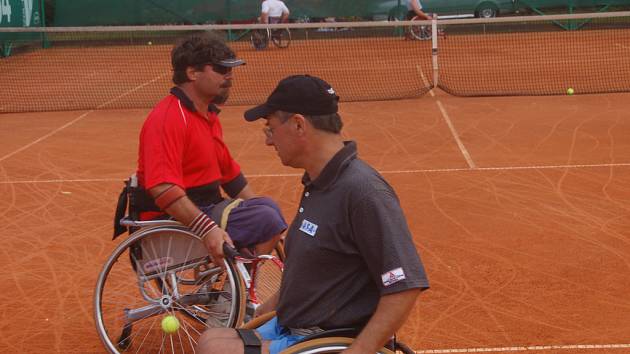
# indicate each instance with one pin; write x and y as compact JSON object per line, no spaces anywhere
{"x":183,"y":209}
{"x":391,"y":313}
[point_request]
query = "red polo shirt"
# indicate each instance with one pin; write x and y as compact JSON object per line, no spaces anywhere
{"x":178,"y":145}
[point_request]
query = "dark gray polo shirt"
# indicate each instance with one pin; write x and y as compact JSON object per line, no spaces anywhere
{"x":348,"y":245}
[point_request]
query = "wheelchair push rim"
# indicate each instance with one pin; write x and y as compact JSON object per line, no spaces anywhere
{"x":326,"y":345}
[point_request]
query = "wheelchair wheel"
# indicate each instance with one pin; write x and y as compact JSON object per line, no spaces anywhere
{"x":421,"y":32}
{"x":325,"y":345}
{"x":171,"y":275}
{"x":281,"y":38}
{"x":259,"y":39}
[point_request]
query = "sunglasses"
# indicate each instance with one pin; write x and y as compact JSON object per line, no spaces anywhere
{"x":219,"y":69}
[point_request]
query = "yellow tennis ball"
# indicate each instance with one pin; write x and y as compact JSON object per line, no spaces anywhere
{"x":170,"y":324}
{"x":150,"y":43}
{"x":570,"y":91}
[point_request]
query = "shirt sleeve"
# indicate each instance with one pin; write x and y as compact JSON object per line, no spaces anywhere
{"x":162,"y":143}
{"x":384,"y":241}
{"x":265,"y":7}
{"x":285,"y":8}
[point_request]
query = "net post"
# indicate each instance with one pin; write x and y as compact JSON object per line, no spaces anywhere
{"x":434,"y":48}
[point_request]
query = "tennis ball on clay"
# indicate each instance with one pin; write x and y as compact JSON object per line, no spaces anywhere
{"x":170,"y":324}
{"x":570,"y":91}
{"x":149,"y":43}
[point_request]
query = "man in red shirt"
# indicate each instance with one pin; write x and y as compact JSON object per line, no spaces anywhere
{"x":183,"y":161}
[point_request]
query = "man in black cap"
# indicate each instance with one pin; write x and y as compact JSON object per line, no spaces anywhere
{"x":183,"y":161}
{"x":351,"y":261}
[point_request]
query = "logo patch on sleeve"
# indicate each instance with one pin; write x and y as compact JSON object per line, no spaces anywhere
{"x":308,"y":227}
{"x":393,"y":276}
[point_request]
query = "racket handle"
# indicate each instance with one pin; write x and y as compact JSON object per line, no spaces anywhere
{"x":229,"y":251}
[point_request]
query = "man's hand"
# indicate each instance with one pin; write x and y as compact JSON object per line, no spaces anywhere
{"x":213,"y":240}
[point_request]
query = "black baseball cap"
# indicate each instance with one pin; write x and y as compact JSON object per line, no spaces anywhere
{"x":303,"y":94}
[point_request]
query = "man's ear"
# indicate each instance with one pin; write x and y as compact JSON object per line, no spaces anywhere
{"x":300,"y":124}
{"x":191,"y":73}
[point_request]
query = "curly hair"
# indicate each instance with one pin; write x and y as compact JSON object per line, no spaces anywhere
{"x":197,"y":50}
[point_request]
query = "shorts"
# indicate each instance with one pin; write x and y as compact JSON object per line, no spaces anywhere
{"x":253,"y":221}
{"x":279,"y":336}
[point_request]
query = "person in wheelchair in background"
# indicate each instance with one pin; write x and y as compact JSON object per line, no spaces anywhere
{"x":183,"y":161}
{"x":272,"y":12}
{"x":350,"y":258}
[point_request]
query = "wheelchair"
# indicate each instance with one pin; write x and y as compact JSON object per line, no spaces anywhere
{"x":162,"y":269}
{"x":330,"y":341}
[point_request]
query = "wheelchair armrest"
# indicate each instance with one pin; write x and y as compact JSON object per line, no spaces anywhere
{"x":259,"y":321}
{"x":126,"y":221}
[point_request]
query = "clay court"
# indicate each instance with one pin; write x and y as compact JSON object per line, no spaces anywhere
{"x":519,"y":207}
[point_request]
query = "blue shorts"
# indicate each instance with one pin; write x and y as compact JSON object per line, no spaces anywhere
{"x":253,"y":221}
{"x":279,"y":336}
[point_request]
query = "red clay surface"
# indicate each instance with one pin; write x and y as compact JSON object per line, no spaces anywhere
{"x":517,"y":255}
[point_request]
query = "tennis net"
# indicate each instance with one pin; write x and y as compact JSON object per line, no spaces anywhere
{"x":541,"y":55}
{"x":105,"y":68}
{"x":129,"y":67}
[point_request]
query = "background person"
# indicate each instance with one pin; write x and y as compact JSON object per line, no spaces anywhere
{"x":414,"y":8}
{"x":274,"y":11}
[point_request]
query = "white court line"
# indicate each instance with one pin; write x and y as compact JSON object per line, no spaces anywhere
{"x":461,"y":146}
{"x":383,"y":172}
{"x":528,"y":348}
{"x":448,"y":121}
{"x":78,"y":118}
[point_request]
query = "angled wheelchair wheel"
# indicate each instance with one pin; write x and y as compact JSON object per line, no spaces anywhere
{"x":171,"y":275}
{"x":420,"y":32}
{"x":281,"y":38}
{"x":325,"y":345}
{"x":259,"y":39}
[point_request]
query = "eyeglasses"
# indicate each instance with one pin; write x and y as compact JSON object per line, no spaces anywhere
{"x":269,"y":130}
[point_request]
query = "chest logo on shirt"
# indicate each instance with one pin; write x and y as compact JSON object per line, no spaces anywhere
{"x":393,"y":276}
{"x":308,"y":227}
